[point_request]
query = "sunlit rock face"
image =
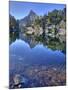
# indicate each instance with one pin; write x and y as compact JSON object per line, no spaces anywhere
{"x":29,"y":19}
{"x":21,"y":53}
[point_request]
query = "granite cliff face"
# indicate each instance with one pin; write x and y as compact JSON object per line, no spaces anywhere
{"x":29,"y":19}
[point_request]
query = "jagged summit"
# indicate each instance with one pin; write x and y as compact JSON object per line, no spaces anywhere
{"x":32,"y":12}
{"x":29,"y":18}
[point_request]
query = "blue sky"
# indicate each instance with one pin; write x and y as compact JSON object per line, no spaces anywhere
{"x":21,"y":9}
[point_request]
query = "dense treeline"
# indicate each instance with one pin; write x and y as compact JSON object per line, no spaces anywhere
{"x":13,"y":28}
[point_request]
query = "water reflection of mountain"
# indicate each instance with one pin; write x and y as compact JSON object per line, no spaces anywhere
{"x":20,"y":51}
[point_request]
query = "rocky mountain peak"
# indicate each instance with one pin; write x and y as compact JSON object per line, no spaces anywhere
{"x":29,"y":19}
{"x":32,"y":12}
